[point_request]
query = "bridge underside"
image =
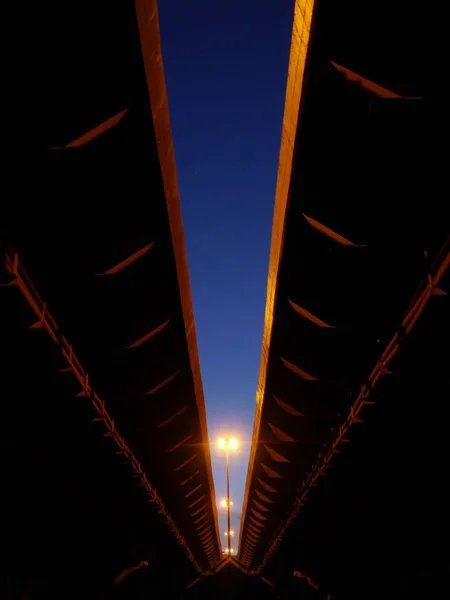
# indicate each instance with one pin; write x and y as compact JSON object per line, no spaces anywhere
{"x":105,"y":458}
{"x":105,"y":454}
{"x":343,"y":483}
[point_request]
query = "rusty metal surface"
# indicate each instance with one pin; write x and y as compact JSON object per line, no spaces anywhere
{"x":105,"y":248}
{"x":356,"y":254}
{"x":45,"y":321}
{"x":148,"y":23}
{"x":303,"y":18}
{"x":427,"y":289}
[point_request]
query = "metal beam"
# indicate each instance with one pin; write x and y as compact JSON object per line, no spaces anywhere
{"x":45,"y":321}
{"x":96,"y":132}
{"x":425,"y":291}
{"x":149,"y":34}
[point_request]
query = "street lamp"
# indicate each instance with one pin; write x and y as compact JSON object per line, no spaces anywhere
{"x":227,"y":444}
{"x":224,"y":503}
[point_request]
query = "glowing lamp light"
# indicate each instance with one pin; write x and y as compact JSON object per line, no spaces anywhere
{"x":231,"y":532}
{"x":224,"y":503}
{"x":233,"y":443}
{"x":228,"y":443}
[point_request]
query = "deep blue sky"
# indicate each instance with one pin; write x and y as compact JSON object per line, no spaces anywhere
{"x":226,"y":70}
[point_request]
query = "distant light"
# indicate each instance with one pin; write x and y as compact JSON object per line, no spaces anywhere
{"x":228,"y":443}
{"x":226,"y":551}
{"x":231,"y":532}
{"x":224,"y":503}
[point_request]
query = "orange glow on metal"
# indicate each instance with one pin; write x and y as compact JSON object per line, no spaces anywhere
{"x":149,"y":34}
{"x":420,"y":300}
{"x":46,"y":322}
{"x":303,"y":14}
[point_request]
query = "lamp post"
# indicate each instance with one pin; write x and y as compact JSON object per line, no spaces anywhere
{"x":227,"y":453}
{"x":228,"y":443}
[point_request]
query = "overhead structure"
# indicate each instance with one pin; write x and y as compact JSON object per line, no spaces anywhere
{"x":105,"y":459}
{"x":356,"y":318}
{"x":105,"y":454}
{"x":230,"y":580}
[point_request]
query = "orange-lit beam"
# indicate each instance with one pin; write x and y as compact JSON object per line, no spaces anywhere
{"x":303,"y":18}
{"x":149,"y":36}
{"x":97,"y":131}
{"x":370,"y":86}
{"x":427,"y":289}
{"x":45,"y":321}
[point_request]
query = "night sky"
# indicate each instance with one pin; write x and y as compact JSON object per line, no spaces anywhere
{"x":226,"y":71}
